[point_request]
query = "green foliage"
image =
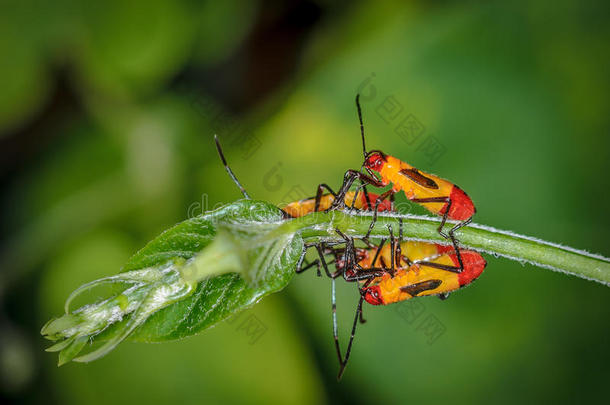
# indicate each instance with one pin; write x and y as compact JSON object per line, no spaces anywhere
{"x":176,"y":285}
{"x":268,"y":265}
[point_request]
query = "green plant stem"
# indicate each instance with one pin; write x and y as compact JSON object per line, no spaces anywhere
{"x":319,"y":226}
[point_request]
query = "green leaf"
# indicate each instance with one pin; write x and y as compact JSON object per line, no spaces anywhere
{"x":271,"y":262}
{"x":185,"y":280}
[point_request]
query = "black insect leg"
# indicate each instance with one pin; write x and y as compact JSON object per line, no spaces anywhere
{"x":455,"y":241}
{"x":322,"y":260}
{"x":320,"y":193}
{"x":377,"y":202}
{"x":362,"y":320}
{"x":309,"y":266}
{"x":399,"y":255}
{"x":367,"y":274}
{"x":299,"y":267}
{"x":392,"y":252}
{"x":445,"y":215}
{"x":343,"y":363}
{"x":378,"y":252}
{"x":367,"y":197}
{"x":458,"y":226}
{"x":352,"y":205}
{"x":443,"y":220}
{"x":348,"y":179}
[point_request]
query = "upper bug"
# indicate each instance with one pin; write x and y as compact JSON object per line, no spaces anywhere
{"x":437,"y":195}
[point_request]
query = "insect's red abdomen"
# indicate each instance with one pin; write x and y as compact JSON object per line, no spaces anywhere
{"x":462,"y":207}
{"x":442,"y":249}
{"x":474,"y":264}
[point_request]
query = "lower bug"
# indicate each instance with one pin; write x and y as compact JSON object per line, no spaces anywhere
{"x":429,"y":277}
{"x":397,"y":272}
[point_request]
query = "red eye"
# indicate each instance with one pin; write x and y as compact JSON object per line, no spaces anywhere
{"x":375,"y":160}
{"x":373,"y":296}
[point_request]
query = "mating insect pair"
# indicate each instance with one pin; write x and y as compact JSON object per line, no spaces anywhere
{"x":423,"y":268}
{"x":437,"y":195}
{"x":387,"y":273}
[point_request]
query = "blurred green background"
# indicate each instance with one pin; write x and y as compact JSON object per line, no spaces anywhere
{"x":107,"y":111}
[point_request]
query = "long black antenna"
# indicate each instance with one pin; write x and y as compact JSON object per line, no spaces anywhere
{"x":361,"y":124}
{"x":224,"y":162}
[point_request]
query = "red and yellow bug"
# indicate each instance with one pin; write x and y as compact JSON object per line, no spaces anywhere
{"x":417,"y":264}
{"x":415,"y":269}
{"x":437,"y":195}
{"x":429,"y":277}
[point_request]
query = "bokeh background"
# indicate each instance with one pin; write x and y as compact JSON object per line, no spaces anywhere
{"x":107,"y":111}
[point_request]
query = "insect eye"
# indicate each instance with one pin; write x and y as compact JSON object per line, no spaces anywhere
{"x":375,"y":160}
{"x":372,"y":296}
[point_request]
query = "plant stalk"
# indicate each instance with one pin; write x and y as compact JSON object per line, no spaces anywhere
{"x":322,"y":226}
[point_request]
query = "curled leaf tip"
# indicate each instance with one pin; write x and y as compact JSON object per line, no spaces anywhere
{"x":147,"y":292}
